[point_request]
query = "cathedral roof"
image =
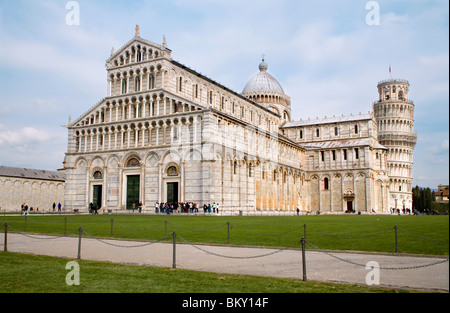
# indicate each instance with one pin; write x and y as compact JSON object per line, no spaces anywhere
{"x":263,"y":82}
{"x":338,"y":144}
{"x":330,"y":120}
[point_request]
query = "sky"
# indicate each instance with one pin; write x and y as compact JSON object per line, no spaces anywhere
{"x":328,"y":55}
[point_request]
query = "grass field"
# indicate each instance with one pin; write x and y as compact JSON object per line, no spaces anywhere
{"x":415,"y":234}
{"x":41,"y":274}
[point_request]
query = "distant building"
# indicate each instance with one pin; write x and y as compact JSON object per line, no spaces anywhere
{"x":38,"y":189}
{"x":442,"y":194}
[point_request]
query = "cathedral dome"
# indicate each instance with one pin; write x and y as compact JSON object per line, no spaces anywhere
{"x":263,"y":83}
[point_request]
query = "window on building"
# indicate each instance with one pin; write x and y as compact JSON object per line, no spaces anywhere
{"x":180,"y":84}
{"x":301,"y":134}
{"x":333,"y":153}
{"x":137,"y":84}
{"x":336,"y":131}
{"x":317,"y":132}
{"x":210,"y":97}
{"x":326,"y":183}
{"x":124,"y":86}
{"x":356,"y":129}
{"x":356,"y":153}
{"x":345,"y":154}
{"x":151,"y":82}
{"x":322,"y":155}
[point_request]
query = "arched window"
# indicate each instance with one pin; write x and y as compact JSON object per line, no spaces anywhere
{"x":98,"y":175}
{"x":124,"y":86}
{"x":336,"y":131}
{"x":151,"y":82}
{"x":172,"y":171}
{"x":317,"y":132}
{"x":133,"y":163}
{"x":326,"y":184}
{"x":356,"y":129}
{"x":137,"y":84}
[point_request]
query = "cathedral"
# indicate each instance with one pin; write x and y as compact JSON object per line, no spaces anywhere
{"x":166,"y":133}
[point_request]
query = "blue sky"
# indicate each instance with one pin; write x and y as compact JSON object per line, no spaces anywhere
{"x":324,"y":54}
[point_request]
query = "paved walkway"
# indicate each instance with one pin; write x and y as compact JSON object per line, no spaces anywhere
{"x":321,"y":266}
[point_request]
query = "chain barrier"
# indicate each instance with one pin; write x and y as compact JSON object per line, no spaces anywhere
{"x":343,"y":237}
{"x":403,"y":230}
{"x":81,"y":224}
{"x":259,"y":234}
{"x":237,"y":257}
{"x":49,"y":237}
{"x":197,"y":230}
{"x":132,"y":228}
{"x":42,"y":223}
{"x":122,"y":246}
{"x":381,"y":267}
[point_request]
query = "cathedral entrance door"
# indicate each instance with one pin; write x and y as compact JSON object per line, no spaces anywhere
{"x":172,"y":192}
{"x":97,"y":196}
{"x":133,"y":186}
{"x":349,"y":206}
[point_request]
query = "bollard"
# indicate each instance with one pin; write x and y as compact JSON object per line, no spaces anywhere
{"x":6,"y":238}
{"x":396,"y":240}
{"x":228,"y":223}
{"x":304,"y":259}
{"x":79,"y":244}
{"x":174,"y":261}
{"x":304,"y":231}
{"x":112,"y":223}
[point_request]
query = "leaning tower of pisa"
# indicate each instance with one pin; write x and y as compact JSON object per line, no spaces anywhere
{"x":395,"y":114}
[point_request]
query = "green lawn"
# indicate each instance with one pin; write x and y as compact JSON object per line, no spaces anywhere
{"x":22,"y":273}
{"x":416,"y":234}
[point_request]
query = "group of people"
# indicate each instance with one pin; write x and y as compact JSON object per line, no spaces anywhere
{"x":93,"y":208}
{"x":185,"y":207}
{"x":24,"y":208}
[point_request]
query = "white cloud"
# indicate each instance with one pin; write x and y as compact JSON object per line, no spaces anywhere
{"x":23,"y":136}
